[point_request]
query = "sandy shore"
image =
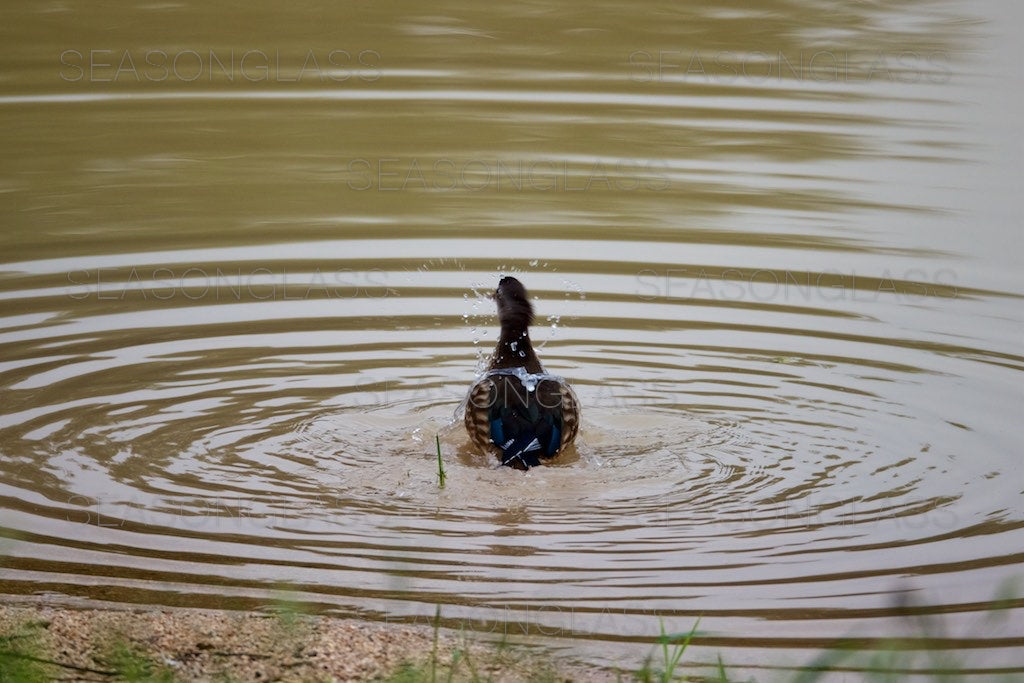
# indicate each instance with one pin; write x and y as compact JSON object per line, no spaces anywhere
{"x":207,"y":645}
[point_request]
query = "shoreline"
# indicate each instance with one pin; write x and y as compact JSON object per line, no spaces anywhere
{"x":49,"y":642}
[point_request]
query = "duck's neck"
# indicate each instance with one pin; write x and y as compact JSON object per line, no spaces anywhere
{"x":515,"y":350}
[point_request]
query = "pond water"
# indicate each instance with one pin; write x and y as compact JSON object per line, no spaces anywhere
{"x":774,"y":248}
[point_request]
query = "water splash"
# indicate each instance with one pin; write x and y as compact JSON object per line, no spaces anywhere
{"x":480,"y":314}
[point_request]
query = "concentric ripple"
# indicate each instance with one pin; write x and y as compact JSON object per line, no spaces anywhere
{"x":787,"y":472}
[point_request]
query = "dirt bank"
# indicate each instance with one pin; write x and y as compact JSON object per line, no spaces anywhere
{"x":44,"y":643}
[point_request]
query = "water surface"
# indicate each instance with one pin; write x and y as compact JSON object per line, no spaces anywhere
{"x":774,"y":249}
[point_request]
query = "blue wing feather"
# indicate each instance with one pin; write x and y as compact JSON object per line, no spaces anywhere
{"x":524,"y":424}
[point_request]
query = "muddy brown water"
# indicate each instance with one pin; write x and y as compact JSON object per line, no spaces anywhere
{"x":775,"y":247}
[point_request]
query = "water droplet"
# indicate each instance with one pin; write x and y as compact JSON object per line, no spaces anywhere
{"x":513,"y":345}
{"x":522,"y":354}
{"x":534,"y":263}
{"x":528,"y":380}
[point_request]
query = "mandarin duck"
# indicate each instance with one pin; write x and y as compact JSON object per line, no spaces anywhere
{"x":516,"y":410}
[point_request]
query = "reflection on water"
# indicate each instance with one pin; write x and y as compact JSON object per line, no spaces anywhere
{"x":243,"y":258}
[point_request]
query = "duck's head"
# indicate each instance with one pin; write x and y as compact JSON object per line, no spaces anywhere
{"x":514,"y":308}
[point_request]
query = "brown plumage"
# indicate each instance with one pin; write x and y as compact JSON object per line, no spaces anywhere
{"x":516,"y":410}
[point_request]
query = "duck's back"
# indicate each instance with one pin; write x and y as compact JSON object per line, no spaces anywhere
{"x":521,"y":417}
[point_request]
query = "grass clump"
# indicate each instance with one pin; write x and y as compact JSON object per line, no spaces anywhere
{"x":673,"y":646}
{"x":22,"y":658}
{"x":129,"y":663}
{"x":290,"y":612}
{"x":473,"y":663}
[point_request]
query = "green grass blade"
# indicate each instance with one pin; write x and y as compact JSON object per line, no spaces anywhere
{"x":433,"y":654}
{"x":440,"y":464}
